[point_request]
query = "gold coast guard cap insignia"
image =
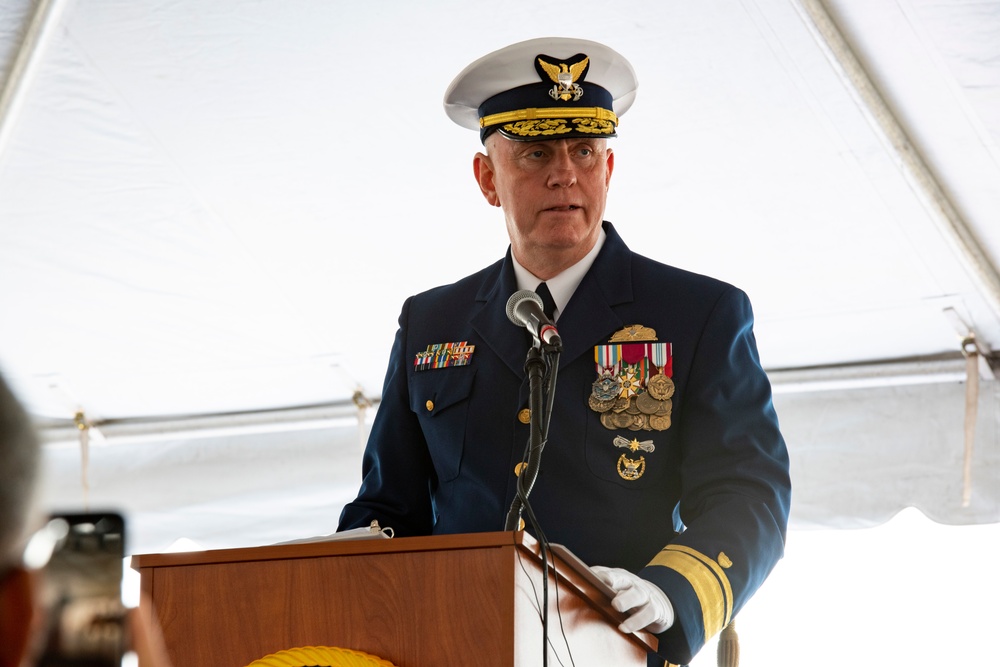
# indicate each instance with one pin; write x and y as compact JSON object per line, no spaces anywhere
{"x":564,"y":75}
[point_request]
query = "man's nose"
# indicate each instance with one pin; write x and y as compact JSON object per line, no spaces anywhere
{"x":562,"y":171}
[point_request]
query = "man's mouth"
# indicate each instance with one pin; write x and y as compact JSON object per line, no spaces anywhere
{"x":569,"y":207}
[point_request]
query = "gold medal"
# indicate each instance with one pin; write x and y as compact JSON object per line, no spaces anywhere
{"x":659,"y":422}
{"x":647,"y":404}
{"x":660,"y":387}
{"x":622,"y":420}
{"x":598,"y":405}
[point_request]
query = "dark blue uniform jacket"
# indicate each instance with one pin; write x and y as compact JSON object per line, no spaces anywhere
{"x":706,"y":519}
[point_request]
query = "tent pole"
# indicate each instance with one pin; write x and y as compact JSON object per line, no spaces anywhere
{"x":61,"y":433}
{"x":24,"y":65}
{"x":923,"y":181}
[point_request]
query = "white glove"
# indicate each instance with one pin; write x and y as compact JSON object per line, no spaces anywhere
{"x":651,"y":610}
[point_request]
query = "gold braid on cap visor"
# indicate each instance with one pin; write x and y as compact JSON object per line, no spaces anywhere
{"x":597,"y":113}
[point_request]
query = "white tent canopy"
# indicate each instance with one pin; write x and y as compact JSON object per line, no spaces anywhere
{"x":210,"y":214}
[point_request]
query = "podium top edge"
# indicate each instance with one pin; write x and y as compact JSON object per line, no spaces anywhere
{"x":337,"y":548}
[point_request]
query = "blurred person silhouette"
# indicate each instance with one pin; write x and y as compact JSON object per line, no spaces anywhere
{"x":21,"y":610}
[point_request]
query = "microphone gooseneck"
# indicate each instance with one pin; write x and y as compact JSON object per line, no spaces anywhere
{"x":524,"y":308}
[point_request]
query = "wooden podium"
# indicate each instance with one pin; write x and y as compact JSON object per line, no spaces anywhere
{"x":416,"y":602}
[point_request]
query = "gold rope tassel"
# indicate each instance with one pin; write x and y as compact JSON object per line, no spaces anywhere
{"x":728,"y":654}
{"x":83,"y":426}
{"x":362,"y":403}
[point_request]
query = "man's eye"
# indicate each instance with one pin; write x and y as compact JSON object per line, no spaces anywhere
{"x":536,"y":154}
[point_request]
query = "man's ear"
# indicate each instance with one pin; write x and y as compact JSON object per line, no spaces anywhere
{"x":17,"y":611}
{"x":610,"y":167}
{"x":482,"y":167}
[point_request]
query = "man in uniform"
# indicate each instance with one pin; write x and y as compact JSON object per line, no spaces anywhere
{"x":664,"y":466}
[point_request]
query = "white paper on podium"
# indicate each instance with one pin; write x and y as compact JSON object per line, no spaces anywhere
{"x":371,"y":532}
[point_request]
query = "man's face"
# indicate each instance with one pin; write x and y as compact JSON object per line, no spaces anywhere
{"x":552,"y":193}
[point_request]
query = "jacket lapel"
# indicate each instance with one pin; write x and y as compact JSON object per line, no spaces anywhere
{"x":505,"y":338}
{"x":589,"y":318}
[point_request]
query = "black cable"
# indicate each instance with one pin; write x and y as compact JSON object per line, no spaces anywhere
{"x":543,"y":552}
{"x":538,"y":605}
{"x":551,"y":356}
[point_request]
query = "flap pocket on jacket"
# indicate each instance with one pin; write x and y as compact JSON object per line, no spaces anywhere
{"x":433,"y":393}
{"x":440,"y":399}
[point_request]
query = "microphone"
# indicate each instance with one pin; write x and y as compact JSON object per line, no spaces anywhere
{"x":524,"y":308}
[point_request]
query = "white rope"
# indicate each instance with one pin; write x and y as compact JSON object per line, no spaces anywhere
{"x":971,"y":352}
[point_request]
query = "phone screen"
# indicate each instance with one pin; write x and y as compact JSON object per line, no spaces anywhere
{"x":82,"y":592}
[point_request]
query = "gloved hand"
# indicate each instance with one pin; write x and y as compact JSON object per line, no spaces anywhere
{"x":651,"y":610}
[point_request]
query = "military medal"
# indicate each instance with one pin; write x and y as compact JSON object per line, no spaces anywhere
{"x":659,"y":422}
{"x":632,"y":391}
{"x":597,"y":405}
{"x":625,"y":420}
{"x":660,"y":387}
{"x":604,"y":391}
{"x":646,"y":403}
{"x":633,"y":381}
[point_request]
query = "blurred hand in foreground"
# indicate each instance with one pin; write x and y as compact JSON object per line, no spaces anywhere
{"x":147,"y":639}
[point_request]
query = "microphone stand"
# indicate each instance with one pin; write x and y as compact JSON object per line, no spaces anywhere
{"x":541,"y":398}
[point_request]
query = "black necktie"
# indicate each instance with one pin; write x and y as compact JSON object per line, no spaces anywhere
{"x":548,"y":303}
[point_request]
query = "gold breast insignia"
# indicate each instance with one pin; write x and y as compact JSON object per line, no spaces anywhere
{"x":632,"y":469}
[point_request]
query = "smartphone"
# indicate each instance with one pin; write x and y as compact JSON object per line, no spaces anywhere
{"x":82,"y":592}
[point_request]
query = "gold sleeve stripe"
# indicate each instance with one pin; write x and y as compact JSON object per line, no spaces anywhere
{"x":708,"y":580}
{"x":548,"y":112}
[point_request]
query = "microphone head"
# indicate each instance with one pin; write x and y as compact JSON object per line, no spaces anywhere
{"x":516,"y":299}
